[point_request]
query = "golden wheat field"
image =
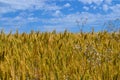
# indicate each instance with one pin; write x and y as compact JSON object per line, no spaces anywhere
{"x":60,"y":56}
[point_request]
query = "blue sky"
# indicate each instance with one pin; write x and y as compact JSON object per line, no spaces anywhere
{"x":49,"y":15}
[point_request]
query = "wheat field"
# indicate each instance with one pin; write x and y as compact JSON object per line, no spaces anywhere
{"x":60,"y":56}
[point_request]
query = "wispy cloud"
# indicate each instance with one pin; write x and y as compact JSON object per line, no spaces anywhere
{"x":50,"y":15}
{"x":14,"y":5}
{"x":86,"y":8}
{"x":57,"y":13}
{"x":67,"y":5}
{"x":105,"y":7}
{"x":91,"y":1}
{"x":108,"y":1}
{"x":115,"y":8}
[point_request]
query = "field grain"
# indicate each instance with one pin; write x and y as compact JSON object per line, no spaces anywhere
{"x":60,"y":56}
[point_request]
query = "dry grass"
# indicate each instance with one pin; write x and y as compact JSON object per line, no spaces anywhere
{"x":60,"y":56}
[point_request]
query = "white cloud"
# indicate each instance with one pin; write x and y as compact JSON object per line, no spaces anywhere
{"x":67,"y":5}
{"x":105,"y":7}
{"x":91,"y":1}
{"x":57,"y":13}
{"x":13,"y":5}
{"x":58,"y":28}
{"x":62,"y":23}
{"x":116,"y":8}
{"x":86,"y":8}
{"x":50,"y":7}
{"x":59,"y":21}
{"x":22,"y":4}
{"x":21,"y":20}
{"x":93,"y":7}
{"x":69,"y":21}
{"x":108,"y":1}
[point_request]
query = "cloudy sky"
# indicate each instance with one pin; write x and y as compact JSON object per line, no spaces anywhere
{"x":48,"y":15}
